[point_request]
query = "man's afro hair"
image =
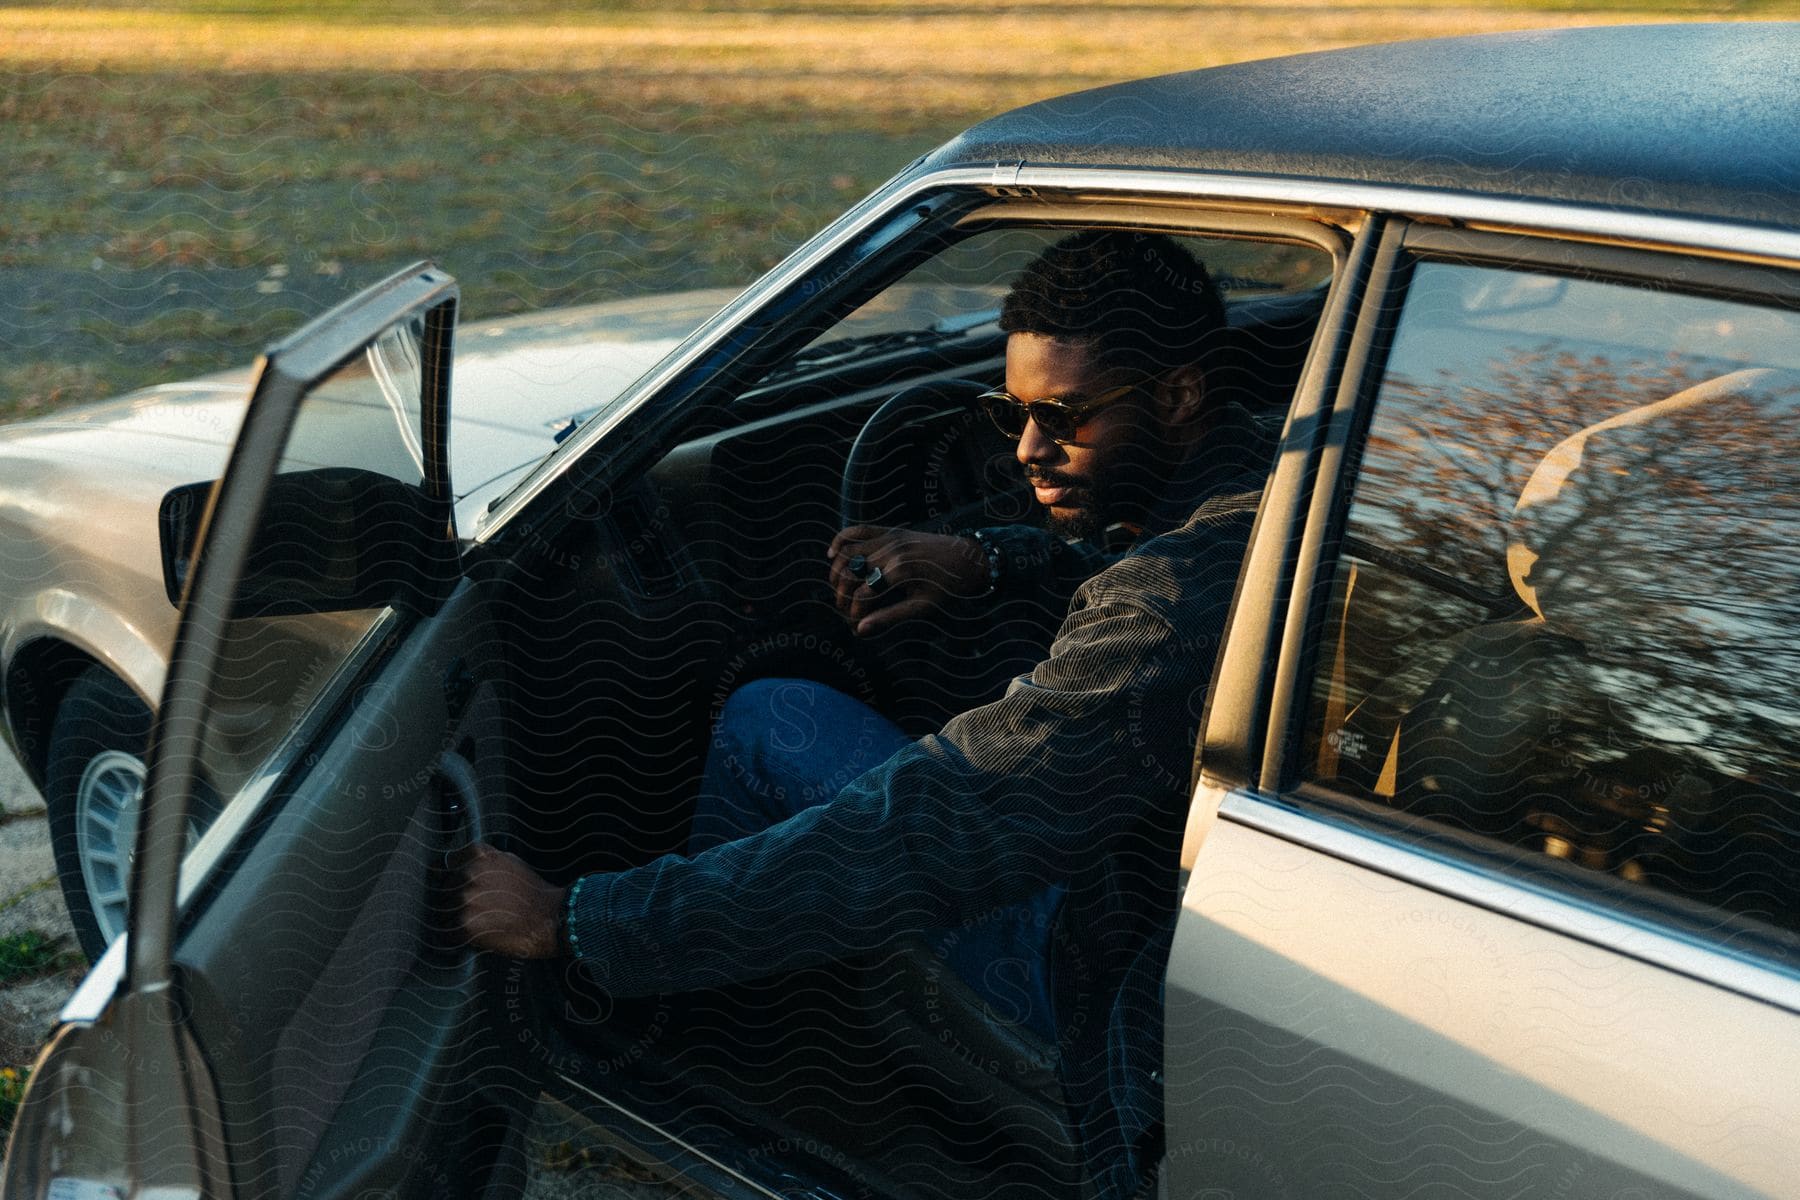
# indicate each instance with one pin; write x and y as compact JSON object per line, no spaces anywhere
{"x":1140,"y":299}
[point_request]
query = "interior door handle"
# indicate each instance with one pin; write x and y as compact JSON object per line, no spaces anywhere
{"x":460,"y":823}
{"x":464,"y":822}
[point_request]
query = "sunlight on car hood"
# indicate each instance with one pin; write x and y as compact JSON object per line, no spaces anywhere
{"x":517,"y":381}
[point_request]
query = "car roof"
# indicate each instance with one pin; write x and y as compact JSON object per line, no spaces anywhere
{"x":1695,"y":120}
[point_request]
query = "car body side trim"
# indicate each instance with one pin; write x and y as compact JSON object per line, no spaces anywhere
{"x":1613,"y":931}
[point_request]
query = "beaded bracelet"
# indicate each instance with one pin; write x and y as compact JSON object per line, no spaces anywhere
{"x":993,"y":557}
{"x":570,"y":941}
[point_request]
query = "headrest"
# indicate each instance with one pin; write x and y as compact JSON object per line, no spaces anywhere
{"x":1606,"y":509}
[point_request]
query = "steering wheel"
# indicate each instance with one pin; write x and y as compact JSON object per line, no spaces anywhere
{"x":929,"y":459}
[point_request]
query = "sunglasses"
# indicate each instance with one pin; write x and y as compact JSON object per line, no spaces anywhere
{"x":1059,"y":419}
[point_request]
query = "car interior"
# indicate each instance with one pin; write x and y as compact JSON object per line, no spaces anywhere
{"x":631,"y":625}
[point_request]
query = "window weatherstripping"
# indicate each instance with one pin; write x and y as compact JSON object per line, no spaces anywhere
{"x":1343,"y":416}
{"x":1234,"y":724}
{"x":1499,"y":213}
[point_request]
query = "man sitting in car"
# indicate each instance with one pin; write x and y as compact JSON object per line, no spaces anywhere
{"x":1059,"y":806}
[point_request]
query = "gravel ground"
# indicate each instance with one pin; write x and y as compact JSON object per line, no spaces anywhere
{"x":29,"y":899}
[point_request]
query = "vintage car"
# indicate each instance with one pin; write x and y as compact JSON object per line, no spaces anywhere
{"x":1490,"y":879}
{"x":85,"y":621}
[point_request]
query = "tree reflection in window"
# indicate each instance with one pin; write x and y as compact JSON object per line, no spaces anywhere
{"x":1565,"y":614}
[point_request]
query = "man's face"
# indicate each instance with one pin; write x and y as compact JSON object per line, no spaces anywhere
{"x":1107,"y":473}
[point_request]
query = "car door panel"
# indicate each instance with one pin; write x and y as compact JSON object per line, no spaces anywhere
{"x":301,"y":974}
{"x":328,"y":964}
{"x":1339,"y":1031}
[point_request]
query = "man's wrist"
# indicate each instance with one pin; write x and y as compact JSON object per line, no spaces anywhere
{"x":990,"y":558}
{"x":568,"y":945}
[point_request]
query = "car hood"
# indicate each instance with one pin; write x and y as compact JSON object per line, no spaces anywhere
{"x":517,"y":383}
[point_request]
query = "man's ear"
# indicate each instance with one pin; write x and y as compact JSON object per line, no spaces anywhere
{"x":1182,"y":392}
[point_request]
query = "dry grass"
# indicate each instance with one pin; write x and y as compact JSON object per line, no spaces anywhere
{"x":185,"y":175}
{"x":872,"y":53}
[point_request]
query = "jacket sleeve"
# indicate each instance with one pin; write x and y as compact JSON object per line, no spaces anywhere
{"x":1036,"y":563}
{"x":1007,"y":798}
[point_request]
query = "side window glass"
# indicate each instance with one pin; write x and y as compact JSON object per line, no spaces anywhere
{"x":943,"y":314}
{"x":910,"y":362}
{"x":1564,"y":614}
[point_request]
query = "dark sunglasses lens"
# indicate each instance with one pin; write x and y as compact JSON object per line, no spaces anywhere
{"x":1007,"y":414}
{"x":1055,"y":421}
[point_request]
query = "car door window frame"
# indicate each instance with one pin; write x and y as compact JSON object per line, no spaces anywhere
{"x":735,"y":349}
{"x":866,"y":249}
{"x":289,"y":370}
{"x":1662,"y":929}
{"x":1242,"y":704}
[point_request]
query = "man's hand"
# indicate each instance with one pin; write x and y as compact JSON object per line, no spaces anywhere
{"x":506,"y":908}
{"x":919,"y":571}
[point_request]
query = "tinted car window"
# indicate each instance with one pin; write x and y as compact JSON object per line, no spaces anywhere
{"x":1564,"y":614}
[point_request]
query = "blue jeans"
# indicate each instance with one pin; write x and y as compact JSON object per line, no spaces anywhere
{"x":784,"y":745}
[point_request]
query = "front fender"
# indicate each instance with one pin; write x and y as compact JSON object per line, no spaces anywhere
{"x":37,"y":642}
{"x":90,"y":625}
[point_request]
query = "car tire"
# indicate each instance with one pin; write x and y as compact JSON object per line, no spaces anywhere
{"x":93,"y":788}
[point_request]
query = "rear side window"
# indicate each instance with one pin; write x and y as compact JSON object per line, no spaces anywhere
{"x":1565,"y":614}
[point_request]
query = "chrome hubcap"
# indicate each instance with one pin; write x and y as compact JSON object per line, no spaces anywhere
{"x":107,"y":803}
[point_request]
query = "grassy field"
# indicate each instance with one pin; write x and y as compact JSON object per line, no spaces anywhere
{"x":187,"y":178}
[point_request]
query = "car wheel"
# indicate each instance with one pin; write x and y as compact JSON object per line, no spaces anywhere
{"x":94,"y":789}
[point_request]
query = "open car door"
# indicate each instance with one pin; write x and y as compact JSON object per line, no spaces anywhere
{"x":292,"y":1012}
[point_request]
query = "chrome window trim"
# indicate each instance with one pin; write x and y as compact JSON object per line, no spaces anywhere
{"x":1547,"y":216}
{"x":1612,"y":931}
{"x":97,"y":988}
{"x":1540,"y":216}
{"x":239,"y":813}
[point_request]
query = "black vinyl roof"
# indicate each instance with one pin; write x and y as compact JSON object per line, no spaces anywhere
{"x":1699,"y":120}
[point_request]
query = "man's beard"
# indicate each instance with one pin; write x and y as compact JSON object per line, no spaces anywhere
{"x":1082,"y":516}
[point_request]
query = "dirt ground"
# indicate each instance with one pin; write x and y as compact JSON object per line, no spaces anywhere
{"x":29,"y":900}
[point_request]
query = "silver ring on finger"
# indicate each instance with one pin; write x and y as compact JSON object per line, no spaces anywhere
{"x":876,"y":581}
{"x":859,"y":566}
